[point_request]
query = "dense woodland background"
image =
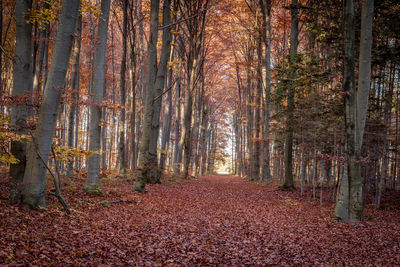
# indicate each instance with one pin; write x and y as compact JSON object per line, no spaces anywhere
{"x":144,"y":89}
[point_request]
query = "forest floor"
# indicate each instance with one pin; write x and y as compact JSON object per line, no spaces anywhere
{"x":213,"y":220}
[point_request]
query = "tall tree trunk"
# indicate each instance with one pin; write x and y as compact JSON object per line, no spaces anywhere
{"x":168,"y":120}
{"x":187,"y":125}
{"x":364,"y":72}
{"x":154,"y":174}
{"x":133,"y":99}
{"x":258,"y":154}
{"x":35,"y":173}
{"x":294,"y":42}
{"x":266,"y":10}
{"x":387,"y":115}
{"x":203,"y":146}
{"x":352,"y":171}
{"x":22,"y":85}
{"x":92,"y":183}
{"x":251,"y":176}
{"x":122,"y":152}
{"x":349,"y":205}
{"x":75,"y":90}
{"x":146,"y":160}
{"x":178,"y":118}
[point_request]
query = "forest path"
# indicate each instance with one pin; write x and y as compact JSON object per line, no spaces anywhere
{"x":208,"y":221}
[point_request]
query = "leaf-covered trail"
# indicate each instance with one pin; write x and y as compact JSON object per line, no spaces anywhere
{"x":209,"y":221}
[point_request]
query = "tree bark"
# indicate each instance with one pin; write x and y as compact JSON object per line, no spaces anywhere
{"x":35,"y":173}
{"x":154,"y":175}
{"x":179,"y":113}
{"x":266,"y":10}
{"x":347,"y":205}
{"x":168,"y":120}
{"x":294,"y":42}
{"x":22,"y":85}
{"x":122,"y":152}
{"x":146,"y":160}
{"x":364,"y":72}
{"x":75,"y":84}
{"x":92,"y":184}
{"x":133,"y":99}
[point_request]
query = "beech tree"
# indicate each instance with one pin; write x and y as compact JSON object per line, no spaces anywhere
{"x":349,"y":205}
{"x":291,"y":87}
{"x":122,"y":82}
{"x":93,"y":180}
{"x":22,"y":86}
{"x":146,"y":159}
{"x":35,"y":172}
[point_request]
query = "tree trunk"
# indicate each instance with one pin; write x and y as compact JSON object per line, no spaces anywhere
{"x":154,"y":175}
{"x":35,"y":173}
{"x":294,"y":42}
{"x":22,"y":85}
{"x":364,"y":72}
{"x":203,"y":146}
{"x":39,"y":61}
{"x":92,"y":184}
{"x":167,"y":121}
{"x":250,"y":121}
{"x":75,"y":90}
{"x":146,"y":160}
{"x":179,"y":112}
{"x":186,"y":129}
{"x":122,"y":152}
{"x":349,"y":203}
{"x":266,"y":10}
{"x":133,"y":99}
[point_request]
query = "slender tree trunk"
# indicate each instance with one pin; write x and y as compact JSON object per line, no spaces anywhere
{"x":304,"y":163}
{"x":168,"y":120}
{"x":258,"y":153}
{"x":75,"y":90}
{"x":35,"y":173}
{"x":266,"y":10}
{"x":133,"y":92}
{"x":204,"y":124}
{"x":22,"y":85}
{"x":250,"y":122}
{"x":187,"y":125}
{"x":39,"y":61}
{"x":122,"y":152}
{"x":179,"y":112}
{"x":364,"y":72}
{"x":92,"y":184}
{"x":294,"y":42}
